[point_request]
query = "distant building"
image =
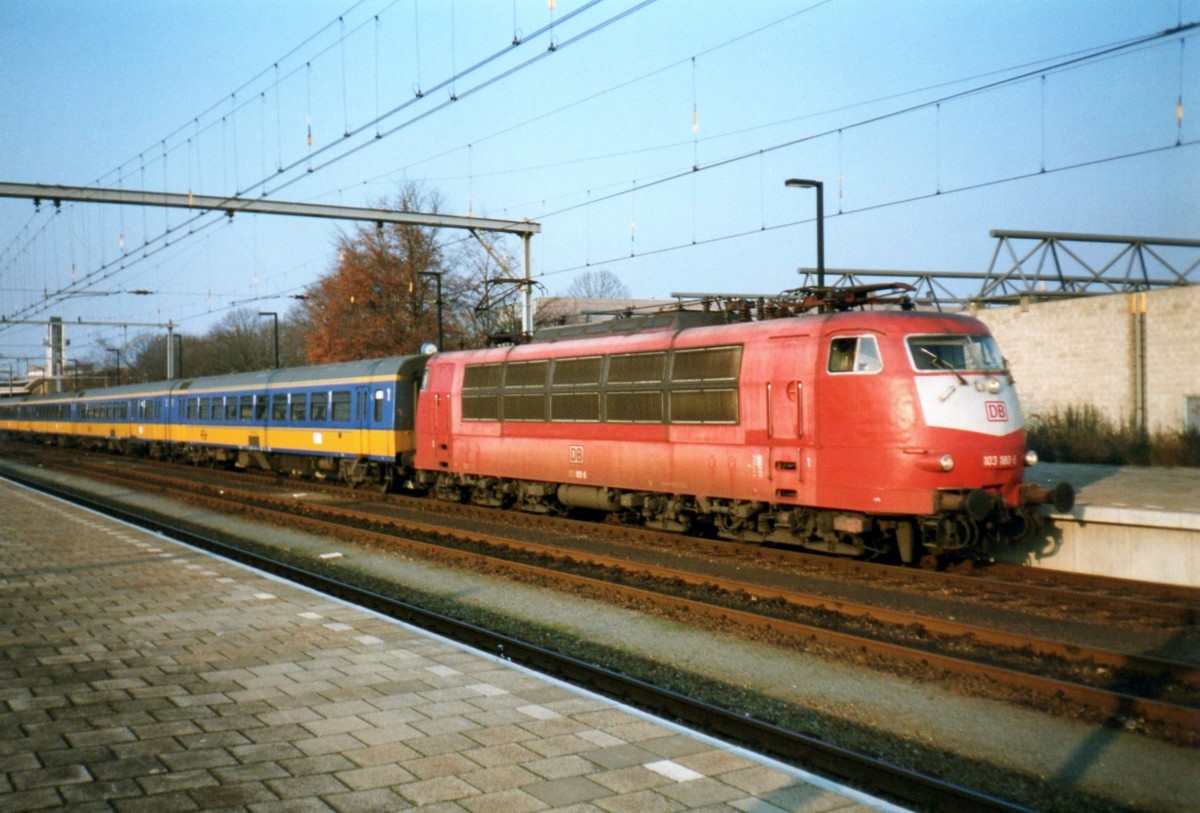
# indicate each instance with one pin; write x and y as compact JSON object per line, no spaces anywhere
{"x":551,"y":311}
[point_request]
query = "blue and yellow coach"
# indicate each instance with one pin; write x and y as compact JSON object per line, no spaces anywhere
{"x":352,"y":420}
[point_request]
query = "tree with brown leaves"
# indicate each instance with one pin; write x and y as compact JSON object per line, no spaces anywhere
{"x":379,"y":299}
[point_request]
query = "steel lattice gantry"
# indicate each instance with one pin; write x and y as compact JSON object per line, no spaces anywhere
{"x":232,"y":205}
{"x":1052,"y":264}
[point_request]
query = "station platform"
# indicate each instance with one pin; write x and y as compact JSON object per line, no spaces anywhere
{"x":138,"y":674}
{"x":1128,"y":522}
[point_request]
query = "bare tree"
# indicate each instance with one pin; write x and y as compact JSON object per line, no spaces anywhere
{"x":601,"y":284}
{"x":242,"y":341}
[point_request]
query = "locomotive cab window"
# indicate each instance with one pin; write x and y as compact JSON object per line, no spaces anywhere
{"x":955,"y":352}
{"x":854,"y":354}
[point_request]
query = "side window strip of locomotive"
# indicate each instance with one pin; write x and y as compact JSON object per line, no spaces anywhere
{"x":575,"y":389}
{"x":854,"y":354}
{"x":525,"y":390}
{"x":481,"y":392}
{"x":634,"y":387}
{"x":704,"y":385}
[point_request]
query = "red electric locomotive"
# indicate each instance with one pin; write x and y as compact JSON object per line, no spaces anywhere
{"x":855,"y":432}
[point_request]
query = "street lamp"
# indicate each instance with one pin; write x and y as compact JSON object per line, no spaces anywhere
{"x":799,"y":183}
{"x":438,"y":275}
{"x":275,"y":320}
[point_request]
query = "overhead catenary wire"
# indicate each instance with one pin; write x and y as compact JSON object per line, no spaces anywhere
{"x":881,"y":117}
{"x":445,"y":83}
{"x":1179,"y":139}
{"x":619,"y":258}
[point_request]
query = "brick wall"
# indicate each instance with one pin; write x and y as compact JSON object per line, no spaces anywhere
{"x":1085,"y":351}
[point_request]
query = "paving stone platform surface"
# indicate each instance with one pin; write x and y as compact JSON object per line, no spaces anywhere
{"x":141,"y":675}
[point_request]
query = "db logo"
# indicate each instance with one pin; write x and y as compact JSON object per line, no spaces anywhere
{"x":575,"y":454}
{"x":997,"y":412}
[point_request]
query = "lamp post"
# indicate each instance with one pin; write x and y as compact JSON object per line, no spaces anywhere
{"x":117,"y":350}
{"x":799,"y":183}
{"x":438,"y":276}
{"x":275,"y":320}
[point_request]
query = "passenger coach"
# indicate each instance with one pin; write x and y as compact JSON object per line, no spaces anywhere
{"x":352,"y":420}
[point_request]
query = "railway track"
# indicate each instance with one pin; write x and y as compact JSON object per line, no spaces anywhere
{"x":1155,"y":694}
{"x":1070,"y":596}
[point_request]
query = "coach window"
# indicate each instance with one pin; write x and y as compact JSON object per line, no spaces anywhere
{"x":279,"y":407}
{"x":193,"y":408}
{"x":231,"y":407}
{"x":341,"y":406}
{"x":854,"y":354}
{"x":378,"y":413}
{"x":246,"y":407}
{"x":205,"y":409}
{"x":299,"y":403}
{"x":318,"y":409}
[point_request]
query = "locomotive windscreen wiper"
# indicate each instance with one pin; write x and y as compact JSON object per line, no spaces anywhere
{"x":938,"y":361}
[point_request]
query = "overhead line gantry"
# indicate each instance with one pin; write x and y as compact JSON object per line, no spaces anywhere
{"x":233,"y":205}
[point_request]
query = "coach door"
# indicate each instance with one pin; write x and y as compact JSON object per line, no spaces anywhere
{"x":362,"y":424}
{"x":786,"y":397}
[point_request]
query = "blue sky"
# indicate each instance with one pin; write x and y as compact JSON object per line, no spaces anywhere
{"x":595,"y":139}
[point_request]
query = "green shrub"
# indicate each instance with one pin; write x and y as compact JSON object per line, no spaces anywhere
{"x":1084,"y":435}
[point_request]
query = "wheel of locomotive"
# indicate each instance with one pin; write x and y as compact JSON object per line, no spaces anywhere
{"x":447,"y":489}
{"x":1021,"y":527}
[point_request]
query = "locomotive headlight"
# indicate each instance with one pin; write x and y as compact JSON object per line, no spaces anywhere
{"x":935,"y":463}
{"x":993,"y":385}
{"x":1031,"y":458}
